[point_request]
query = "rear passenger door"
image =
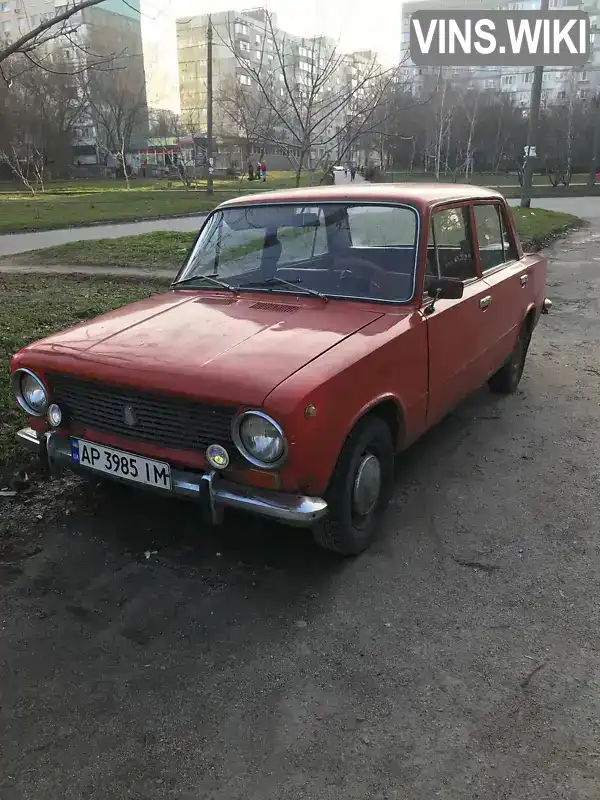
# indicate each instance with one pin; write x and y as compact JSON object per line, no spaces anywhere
{"x":506,"y":277}
{"x":457,"y":345}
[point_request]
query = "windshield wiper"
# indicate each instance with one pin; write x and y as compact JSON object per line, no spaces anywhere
{"x":209,"y":278}
{"x":277,"y":279}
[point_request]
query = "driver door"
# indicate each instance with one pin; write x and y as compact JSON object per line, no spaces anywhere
{"x":457,"y":363}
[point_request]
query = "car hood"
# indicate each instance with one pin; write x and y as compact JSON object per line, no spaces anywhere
{"x":218,"y":348}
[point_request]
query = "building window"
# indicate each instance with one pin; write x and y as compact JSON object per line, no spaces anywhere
{"x":245,"y":80}
{"x":257,"y":39}
{"x":4,"y":6}
{"x":305,"y":66}
{"x":281,"y":78}
{"x":244,"y":46}
{"x":241,"y":29}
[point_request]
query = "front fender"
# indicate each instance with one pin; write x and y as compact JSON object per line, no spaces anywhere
{"x":343,"y":385}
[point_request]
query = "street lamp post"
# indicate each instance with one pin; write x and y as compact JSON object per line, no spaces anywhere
{"x":534,"y":119}
{"x":209,"y":107}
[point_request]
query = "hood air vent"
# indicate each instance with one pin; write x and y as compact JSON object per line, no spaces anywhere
{"x":282,"y":308}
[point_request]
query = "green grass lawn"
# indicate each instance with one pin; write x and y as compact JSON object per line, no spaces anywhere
{"x":83,"y":203}
{"x":167,"y":249}
{"x":478,"y":179}
{"x":537,"y":226}
{"x":36,"y":306}
{"x":507,"y":184}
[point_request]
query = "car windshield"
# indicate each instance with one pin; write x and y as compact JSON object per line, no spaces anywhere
{"x":350,"y":250}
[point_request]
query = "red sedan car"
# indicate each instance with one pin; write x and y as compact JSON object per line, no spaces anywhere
{"x":311,"y":335}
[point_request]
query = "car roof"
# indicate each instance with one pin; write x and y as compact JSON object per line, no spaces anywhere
{"x":418,"y":194}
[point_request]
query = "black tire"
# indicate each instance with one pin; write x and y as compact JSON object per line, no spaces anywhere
{"x":508,"y":377}
{"x":344,"y":530}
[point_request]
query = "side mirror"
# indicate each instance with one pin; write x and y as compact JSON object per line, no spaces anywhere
{"x":446,"y":289}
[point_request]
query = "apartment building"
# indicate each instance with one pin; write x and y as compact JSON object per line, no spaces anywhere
{"x":558,"y":84}
{"x":247,"y":44}
{"x":113,"y":27}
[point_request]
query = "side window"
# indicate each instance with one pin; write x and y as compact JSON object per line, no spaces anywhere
{"x":510,"y":251}
{"x":453,"y":250}
{"x":489,"y":235}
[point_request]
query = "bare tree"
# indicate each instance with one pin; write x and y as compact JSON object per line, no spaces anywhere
{"x":164,"y":124}
{"x":254,"y":119}
{"x":116,"y":98}
{"x":319,"y":103}
{"x":37,"y":117}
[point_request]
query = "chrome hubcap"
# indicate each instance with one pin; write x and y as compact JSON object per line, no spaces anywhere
{"x":367,"y":485}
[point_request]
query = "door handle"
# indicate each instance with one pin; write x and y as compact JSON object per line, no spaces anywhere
{"x":485,"y":302}
{"x":524,"y":280}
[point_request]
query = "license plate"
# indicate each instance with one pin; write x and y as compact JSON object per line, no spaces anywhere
{"x":121,"y":464}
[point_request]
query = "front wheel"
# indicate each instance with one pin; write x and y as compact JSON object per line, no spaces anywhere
{"x":359,"y":489}
{"x":508,"y":377}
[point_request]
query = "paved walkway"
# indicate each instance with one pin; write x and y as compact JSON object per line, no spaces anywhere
{"x":13,"y":243}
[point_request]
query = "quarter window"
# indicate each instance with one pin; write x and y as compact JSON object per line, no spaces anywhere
{"x":450,"y":247}
{"x":495,"y":247}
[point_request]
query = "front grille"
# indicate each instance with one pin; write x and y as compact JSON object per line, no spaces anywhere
{"x":159,"y":419}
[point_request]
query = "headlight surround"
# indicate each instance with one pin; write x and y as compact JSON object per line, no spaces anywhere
{"x":30,"y":392}
{"x":259,"y":439}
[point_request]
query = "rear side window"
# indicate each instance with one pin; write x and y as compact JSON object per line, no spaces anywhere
{"x":495,"y":247}
{"x":450,"y":249}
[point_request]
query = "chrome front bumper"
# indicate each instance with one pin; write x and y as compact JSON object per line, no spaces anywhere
{"x":212,"y":491}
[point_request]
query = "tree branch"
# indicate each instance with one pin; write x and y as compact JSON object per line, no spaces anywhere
{"x":29,"y":40}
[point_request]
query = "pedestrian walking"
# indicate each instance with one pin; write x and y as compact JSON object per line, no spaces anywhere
{"x":263,"y":170}
{"x":352,"y":173}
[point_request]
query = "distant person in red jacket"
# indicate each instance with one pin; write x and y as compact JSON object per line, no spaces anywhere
{"x":263,"y":170}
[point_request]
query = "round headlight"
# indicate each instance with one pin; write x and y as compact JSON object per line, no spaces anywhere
{"x":259,"y":439}
{"x":30,"y":393}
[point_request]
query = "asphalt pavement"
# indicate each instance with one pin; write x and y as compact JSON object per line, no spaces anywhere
{"x":145,"y":655}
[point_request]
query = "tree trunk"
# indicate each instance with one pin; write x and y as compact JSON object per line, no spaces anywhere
{"x":299,"y":170}
{"x":595,"y":144}
{"x":438,"y":149}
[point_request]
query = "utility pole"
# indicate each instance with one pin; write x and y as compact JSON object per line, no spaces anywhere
{"x":534,"y":118}
{"x":209,"y":107}
{"x":591,"y":181}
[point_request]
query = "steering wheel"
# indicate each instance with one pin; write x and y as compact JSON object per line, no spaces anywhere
{"x":350,"y":264}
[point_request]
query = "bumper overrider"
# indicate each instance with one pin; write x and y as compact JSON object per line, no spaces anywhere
{"x":209,"y":488}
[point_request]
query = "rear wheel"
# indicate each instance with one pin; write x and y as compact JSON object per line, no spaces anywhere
{"x":359,"y":490}
{"x":508,"y":377}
